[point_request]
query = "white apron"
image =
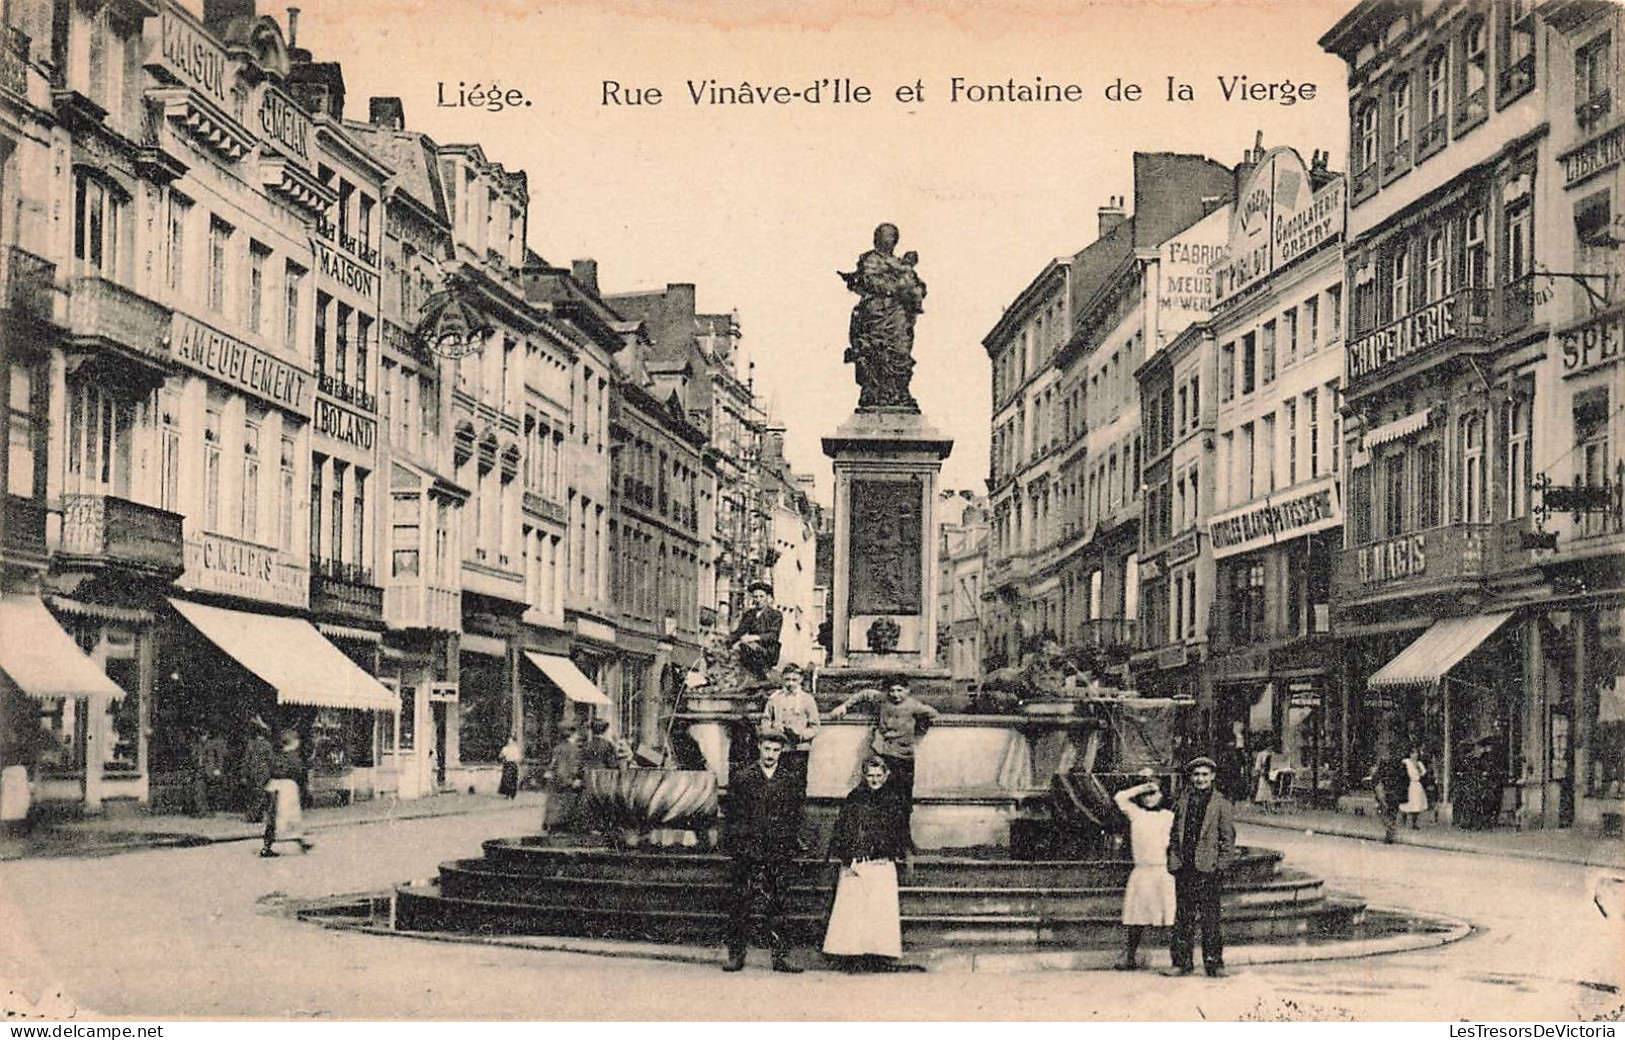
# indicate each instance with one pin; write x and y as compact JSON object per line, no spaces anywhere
{"x":290,"y":819}
{"x":866,"y":919}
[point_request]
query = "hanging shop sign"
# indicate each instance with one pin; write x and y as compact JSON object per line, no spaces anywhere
{"x":1278,"y":219}
{"x":1312,"y":509}
{"x":245,"y":367}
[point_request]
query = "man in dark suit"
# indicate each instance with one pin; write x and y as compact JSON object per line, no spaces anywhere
{"x":757,"y":635}
{"x":1200,"y":849}
{"x":759,"y":834}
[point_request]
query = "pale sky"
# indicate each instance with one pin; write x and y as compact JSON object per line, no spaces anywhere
{"x":759,"y":206}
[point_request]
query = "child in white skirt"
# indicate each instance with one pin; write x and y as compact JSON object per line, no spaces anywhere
{"x":1148,"y":901}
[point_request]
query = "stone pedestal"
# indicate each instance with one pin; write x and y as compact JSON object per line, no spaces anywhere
{"x":887,"y":463}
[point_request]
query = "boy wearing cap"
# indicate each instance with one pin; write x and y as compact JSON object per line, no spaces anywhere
{"x":792,"y":711}
{"x":757,"y":635}
{"x":1200,"y":849}
{"x":901,"y":724}
{"x":762,"y":820}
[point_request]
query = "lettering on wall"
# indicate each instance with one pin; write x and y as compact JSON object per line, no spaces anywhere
{"x":1280,"y":218}
{"x":285,"y":124}
{"x":1404,"y":557}
{"x":215,"y":563}
{"x":1311,"y":511}
{"x":1400,"y":339}
{"x":189,"y":57}
{"x":1596,"y":344}
{"x":341,"y":424}
{"x":232,"y":361}
{"x":339,"y":268}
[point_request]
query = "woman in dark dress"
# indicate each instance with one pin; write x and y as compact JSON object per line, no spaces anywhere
{"x":871,"y":835}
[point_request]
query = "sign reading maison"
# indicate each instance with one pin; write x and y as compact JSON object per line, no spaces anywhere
{"x":1278,"y":218}
{"x":190,"y":57}
{"x":232,"y":361}
{"x":342,"y":270}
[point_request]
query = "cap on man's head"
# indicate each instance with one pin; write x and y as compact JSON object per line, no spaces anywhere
{"x":791,"y":669}
{"x":600,"y":725}
{"x":773,"y":736}
{"x":761,"y":586}
{"x":897,"y":684}
{"x":1200,"y":761}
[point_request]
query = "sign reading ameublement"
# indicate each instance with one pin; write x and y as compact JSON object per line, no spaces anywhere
{"x":232,"y":361}
{"x":886,"y":563}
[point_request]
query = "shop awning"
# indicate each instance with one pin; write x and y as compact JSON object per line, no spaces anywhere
{"x":42,"y":659}
{"x":1437,"y":650}
{"x":1393,"y":431}
{"x":291,"y":656}
{"x":568,"y":678}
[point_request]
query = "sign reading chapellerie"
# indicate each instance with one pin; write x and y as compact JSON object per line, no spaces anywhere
{"x":1278,"y":218}
{"x":215,"y":563}
{"x":188,"y":56}
{"x":1311,"y":510}
{"x":1398,"y":340}
{"x":232,"y":361}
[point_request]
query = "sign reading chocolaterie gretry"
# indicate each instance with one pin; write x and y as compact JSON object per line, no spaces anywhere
{"x":1278,"y":218}
{"x":885,"y":561}
{"x":232,"y":361}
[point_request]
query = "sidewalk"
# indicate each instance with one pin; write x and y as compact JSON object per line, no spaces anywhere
{"x":1583,"y":847}
{"x":100,"y":836}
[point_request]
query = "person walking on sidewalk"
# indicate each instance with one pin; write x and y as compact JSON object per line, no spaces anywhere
{"x":1416,"y":796}
{"x":286,"y":820}
{"x":1201,"y":848}
{"x":1149,"y":900}
{"x":256,"y":770}
{"x":511,"y":754}
{"x":759,"y":832}
{"x":561,"y":783}
{"x":1389,"y":783}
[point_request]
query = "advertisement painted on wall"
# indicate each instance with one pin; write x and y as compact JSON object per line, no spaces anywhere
{"x":1278,"y":218}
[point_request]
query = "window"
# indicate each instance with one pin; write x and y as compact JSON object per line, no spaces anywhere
{"x":285,"y":497}
{"x":323,"y":301}
{"x":404,"y":536}
{"x":1476,"y":270}
{"x":1520,"y":240}
{"x":1436,"y":280}
{"x":1334,"y":314}
{"x":25,"y":414}
{"x":1249,"y":363}
{"x":1311,"y":411}
{"x":1393,"y":495}
{"x":1311,"y":325}
{"x":251,"y":481}
{"x":363,"y":333}
{"x":1290,"y":407}
{"x":358,"y":515}
{"x":1400,"y":297}
{"x":1334,"y":404}
{"x":1366,"y":147}
{"x":1476,"y":51}
{"x":1517,"y":439}
{"x":346,"y":193}
{"x":1592,"y":71}
{"x":1438,"y":84}
{"x":169,"y":459}
{"x":1289,"y":330}
{"x":180,"y":211}
{"x":317,"y":464}
{"x":1268,"y":358}
{"x":99,"y":436}
{"x":258,"y":256}
{"x":1249,"y":461}
{"x":1429,"y":485}
{"x":1592,"y":457}
{"x":1472,"y":483}
{"x":211,"y":470}
{"x":97,"y":219}
{"x":219,"y":259}
{"x":1359,"y":508}
{"x":1399,"y":112}
{"x":341,"y":342}
{"x":293,"y":278}
{"x":335,"y":544}
{"x":1266,"y":451}
{"x":363,"y":224}
{"x":1247,"y":602}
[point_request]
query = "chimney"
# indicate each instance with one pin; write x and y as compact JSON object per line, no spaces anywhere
{"x":218,"y":14}
{"x":680,"y":298}
{"x":293,"y":27}
{"x":1111,"y":215}
{"x":387,"y":112}
{"x":586,"y":272}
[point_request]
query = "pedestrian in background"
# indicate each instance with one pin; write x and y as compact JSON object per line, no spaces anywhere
{"x":511,"y":756}
{"x":870,"y":837}
{"x":561,"y":783}
{"x":1416,"y":796}
{"x":1201,"y":847}
{"x":286,"y":819}
{"x":1389,"y":783}
{"x":256,"y":770}
{"x":1149,"y":899}
{"x":600,"y":750}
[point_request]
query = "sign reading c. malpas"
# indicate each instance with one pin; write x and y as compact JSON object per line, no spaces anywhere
{"x":232,"y":361}
{"x":1278,"y":218}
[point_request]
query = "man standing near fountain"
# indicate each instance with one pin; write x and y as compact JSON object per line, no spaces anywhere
{"x":760,"y":828}
{"x":757,"y":635}
{"x":1202,"y":846}
{"x":901,"y":725}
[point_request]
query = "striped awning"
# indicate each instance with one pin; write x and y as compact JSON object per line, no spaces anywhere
{"x":42,"y":659}
{"x":570,"y":679}
{"x":1401,"y":427}
{"x":1436,"y":651}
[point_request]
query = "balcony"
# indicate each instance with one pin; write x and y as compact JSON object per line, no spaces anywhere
{"x":1109,"y":635}
{"x":1443,"y":559}
{"x":1362,"y":184}
{"x":30,"y":290}
{"x":14,"y":48}
{"x":107,"y":531}
{"x":1396,"y":161}
{"x":24,"y":530}
{"x":1515,"y":81}
{"x":497,"y":582}
{"x":344,"y":592}
{"x":411,"y":603}
{"x":1425,"y":335}
{"x":542,"y":508}
{"x":1431,"y":136}
{"x":1517,"y":305}
{"x":107,"y":315}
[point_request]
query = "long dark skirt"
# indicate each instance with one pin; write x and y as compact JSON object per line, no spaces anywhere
{"x":510,"y":779}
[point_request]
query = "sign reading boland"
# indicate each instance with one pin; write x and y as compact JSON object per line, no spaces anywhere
{"x":232,"y":361}
{"x":1278,"y":218}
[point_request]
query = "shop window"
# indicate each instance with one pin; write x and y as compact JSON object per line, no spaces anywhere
{"x":408,"y":717}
